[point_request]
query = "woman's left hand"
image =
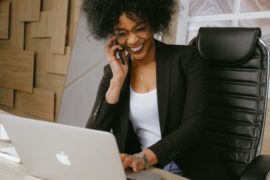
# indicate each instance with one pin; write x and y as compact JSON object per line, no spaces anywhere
{"x":129,"y":161}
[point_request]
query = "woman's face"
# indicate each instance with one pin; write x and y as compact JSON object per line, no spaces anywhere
{"x":136,"y":37}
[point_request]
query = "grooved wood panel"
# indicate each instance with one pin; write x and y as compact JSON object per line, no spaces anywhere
{"x":58,"y":64}
{"x":43,"y":28}
{"x":16,"y":70}
{"x":16,"y":29}
{"x":7,"y":97}
{"x":40,"y":103}
{"x":73,"y":22}
{"x":19,"y":40}
{"x":47,"y":5}
{"x":59,"y":26}
{"x":29,"y":31}
{"x":29,"y":10}
{"x":4,"y":20}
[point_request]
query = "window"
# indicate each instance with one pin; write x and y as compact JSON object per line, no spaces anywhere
{"x":217,"y":13}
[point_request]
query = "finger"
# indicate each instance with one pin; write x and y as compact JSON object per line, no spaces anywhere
{"x":110,"y":43}
{"x":111,"y":53}
{"x":126,"y":163}
{"x":136,"y":165}
{"x":114,"y":48}
{"x":123,"y":58}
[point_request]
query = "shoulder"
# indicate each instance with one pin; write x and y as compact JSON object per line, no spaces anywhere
{"x":176,"y":50}
{"x":183,"y":54}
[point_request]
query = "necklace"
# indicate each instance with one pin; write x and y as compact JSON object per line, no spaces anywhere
{"x":142,"y":80}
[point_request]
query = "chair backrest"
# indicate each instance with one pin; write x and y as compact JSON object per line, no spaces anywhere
{"x":237,"y":80}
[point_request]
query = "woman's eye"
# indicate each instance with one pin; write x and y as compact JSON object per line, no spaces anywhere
{"x":121,"y":34}
{"x":141,"y":29}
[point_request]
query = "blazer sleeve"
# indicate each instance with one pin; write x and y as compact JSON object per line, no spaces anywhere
{"x":103,"y":114}
{"x":177,"y":143}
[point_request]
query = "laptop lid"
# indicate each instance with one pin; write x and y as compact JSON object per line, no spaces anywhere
{"x":56,"y":151}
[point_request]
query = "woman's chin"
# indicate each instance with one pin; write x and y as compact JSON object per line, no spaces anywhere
{"x":138,"y":56}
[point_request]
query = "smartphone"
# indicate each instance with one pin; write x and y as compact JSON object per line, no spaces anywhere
{"x":119,"y":54}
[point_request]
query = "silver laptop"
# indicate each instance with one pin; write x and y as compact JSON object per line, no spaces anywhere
{"x":56,"y":151}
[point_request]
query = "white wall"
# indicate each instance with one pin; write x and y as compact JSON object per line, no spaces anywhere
{"x":84,"y":74}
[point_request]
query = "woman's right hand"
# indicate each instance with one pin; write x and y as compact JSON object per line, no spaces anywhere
{"x":119,"y":71}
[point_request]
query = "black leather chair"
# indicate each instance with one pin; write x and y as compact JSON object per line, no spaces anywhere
{"x":237,"y":69}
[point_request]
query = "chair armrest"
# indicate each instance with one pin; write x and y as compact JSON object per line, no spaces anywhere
{"x":257,"y":169}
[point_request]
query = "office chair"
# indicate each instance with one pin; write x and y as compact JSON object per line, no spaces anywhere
{"x":237,"y":68}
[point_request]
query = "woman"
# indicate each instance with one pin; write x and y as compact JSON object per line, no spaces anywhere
{"x":151,"y":94}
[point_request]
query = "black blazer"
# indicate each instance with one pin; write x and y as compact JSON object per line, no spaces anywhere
{"x":180,"y":96}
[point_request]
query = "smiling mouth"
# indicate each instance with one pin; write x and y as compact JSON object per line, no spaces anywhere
{"x":137,"y":49}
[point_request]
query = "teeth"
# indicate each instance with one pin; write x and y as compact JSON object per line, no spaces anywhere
{"x":137,"y":48}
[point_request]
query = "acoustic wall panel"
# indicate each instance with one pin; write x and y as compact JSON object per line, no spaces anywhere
{"x":7,"y":97}
{"x":40,"y":103}
{"x":29,"y":10}
{"x":42,"y":28}
{"x":16,"y":70}
{"x":4,"y":20}
{"x":59,"y":26}
{"x":17,"y":28}
{"x":58,"y":64}
{"x":31,"y":24}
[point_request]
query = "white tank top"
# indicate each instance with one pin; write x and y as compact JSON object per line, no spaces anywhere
{"x":143,"y":113}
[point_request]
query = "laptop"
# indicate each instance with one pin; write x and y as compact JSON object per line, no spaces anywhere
{"x":56,"y":151}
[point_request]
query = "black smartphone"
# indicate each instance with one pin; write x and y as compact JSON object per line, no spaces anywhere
{"x":119,"y":54}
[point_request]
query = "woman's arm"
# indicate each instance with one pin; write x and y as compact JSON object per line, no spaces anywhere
{"x":103,"y":113}
{"x":106,"y":105}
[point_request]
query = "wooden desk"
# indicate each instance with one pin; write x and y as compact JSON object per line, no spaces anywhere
{"x":13,"y":171}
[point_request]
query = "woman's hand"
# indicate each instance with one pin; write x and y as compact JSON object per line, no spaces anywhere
{"x":129,"y":161}
{"x":119,"y":70}
{"x":138,"y":164}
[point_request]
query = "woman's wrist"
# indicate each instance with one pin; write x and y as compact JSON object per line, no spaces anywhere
{"x":151,"y":157}
{"x":113,"y":93}
{"x":143,"y":159}
{"x":147,"y":157}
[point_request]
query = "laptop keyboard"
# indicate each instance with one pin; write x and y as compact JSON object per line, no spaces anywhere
{"x":143,"y":175}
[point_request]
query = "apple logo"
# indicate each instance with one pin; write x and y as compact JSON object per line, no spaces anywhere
{"x":63,"y":158}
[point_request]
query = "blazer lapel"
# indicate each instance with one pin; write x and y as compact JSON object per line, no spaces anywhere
{"x":163,"y":83}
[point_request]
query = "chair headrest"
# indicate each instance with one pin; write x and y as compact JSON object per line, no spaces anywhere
{"x":227,"y":45}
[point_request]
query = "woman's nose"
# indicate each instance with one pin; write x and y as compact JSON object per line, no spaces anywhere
{"x":132,"y":39}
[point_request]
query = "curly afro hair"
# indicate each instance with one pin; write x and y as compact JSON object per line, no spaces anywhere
{"x":103,"y":15}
